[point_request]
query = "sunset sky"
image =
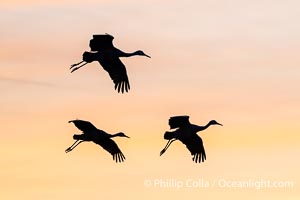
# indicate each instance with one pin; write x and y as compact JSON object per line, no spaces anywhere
{"x":233,"y":61}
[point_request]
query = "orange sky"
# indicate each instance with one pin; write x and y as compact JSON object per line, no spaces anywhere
{"x":233,"y":61}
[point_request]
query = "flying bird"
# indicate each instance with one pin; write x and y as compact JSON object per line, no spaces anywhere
{"x":187,"y":134}
{"x":109,"y":58}
{"x":91,"y":133}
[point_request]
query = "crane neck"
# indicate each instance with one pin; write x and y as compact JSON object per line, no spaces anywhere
{"x":201,"y":128}
{"x":207,"y":125}
{"x":116,"y":135}
{"x":130,"y":54}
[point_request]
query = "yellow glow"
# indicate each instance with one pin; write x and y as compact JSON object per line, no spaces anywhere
{"x":233,"y":61}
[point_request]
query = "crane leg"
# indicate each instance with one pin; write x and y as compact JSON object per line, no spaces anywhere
{"x":76,"y":64}
{"x":74,"y":69}
{"x":167,"y":146}
{"x":73,"y":146}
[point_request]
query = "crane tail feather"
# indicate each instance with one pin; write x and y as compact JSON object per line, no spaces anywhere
{"x":168,"y":135}
{"x":77,"y":137}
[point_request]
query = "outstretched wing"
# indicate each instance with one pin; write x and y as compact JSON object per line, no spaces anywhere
{"x":178,"y":121}
{"x":84,"y":126}
{"x":195,"y":145}
{"x":117,"y":72}
{"x":101,"y":42}
{"x":110,"y":146}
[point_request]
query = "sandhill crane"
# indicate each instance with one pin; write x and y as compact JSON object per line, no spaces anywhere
{"x":91,"y":133}
{"x":108,"y":57}
{"x":187,"y":134}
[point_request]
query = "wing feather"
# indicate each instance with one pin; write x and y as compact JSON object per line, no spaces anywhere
{"x":178,"y":121}
{"x":102,"y":42}
{"x":84,"y":126}
{"x":110,"y":146}
{"x":195,"y":145}
{"x":117,"y":72}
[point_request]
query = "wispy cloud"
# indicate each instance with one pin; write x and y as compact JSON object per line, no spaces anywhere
{"x":31,"y":82}
{"x":27,"y":82}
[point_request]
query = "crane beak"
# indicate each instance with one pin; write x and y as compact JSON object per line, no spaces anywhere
{"x":219,"y":124}
{"x":147,"y":56}
{"x":126,"y":136}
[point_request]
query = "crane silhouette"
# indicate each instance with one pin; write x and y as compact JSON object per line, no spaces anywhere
{"x":187,"y":134}
{"x":91,"y":133}
{"x":108,"y":57}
